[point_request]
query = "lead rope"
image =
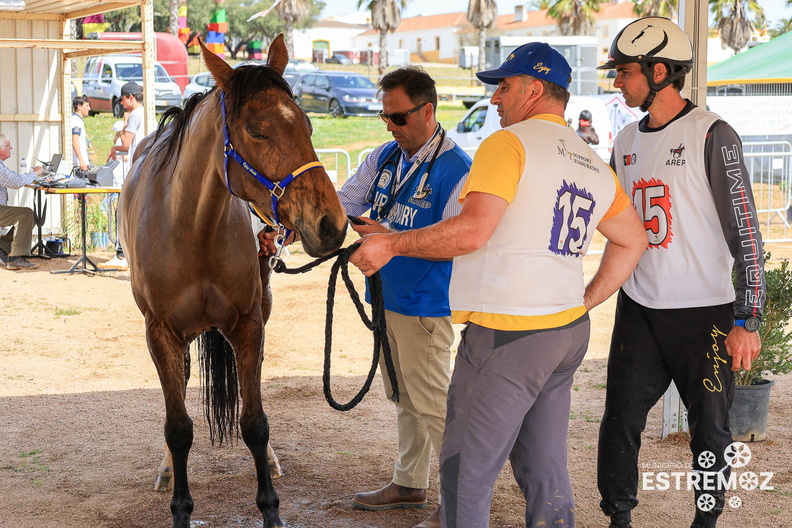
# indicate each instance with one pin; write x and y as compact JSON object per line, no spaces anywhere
{"x":376,"y":324}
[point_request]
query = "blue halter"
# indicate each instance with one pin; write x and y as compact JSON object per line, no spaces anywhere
{"x":277,"y":189}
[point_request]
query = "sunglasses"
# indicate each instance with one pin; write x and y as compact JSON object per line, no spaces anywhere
{"x":400,"y":119}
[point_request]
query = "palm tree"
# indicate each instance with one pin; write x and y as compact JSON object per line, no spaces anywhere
{"x":782,"y":26}
{"x":291,"y":11}
{"x":538,"y":5}
{"x":663,"y":8}
{"x":574,"y":17}
{"x":173,"y":25}
{"x":731,"y":17}
{"x":482,"y":14}
{"x":385,"y":17}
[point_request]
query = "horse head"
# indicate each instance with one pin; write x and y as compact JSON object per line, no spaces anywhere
{"x":271,"y":135}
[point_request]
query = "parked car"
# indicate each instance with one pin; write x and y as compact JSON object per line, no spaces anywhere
{"x":301,"y":66}
{"x":200,"y":83}
{"x":292,"y":72}
{"x":338,"y":93}
{"x":482,"y":120}
{"x":104,"y":76}
{"x":338,"y":58}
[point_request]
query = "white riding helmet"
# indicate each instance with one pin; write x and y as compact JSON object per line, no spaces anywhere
{"x":650,"y":40}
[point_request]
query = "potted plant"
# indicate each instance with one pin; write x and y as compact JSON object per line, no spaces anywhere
{"x":748,"y":415}
{"x":98,"y":225}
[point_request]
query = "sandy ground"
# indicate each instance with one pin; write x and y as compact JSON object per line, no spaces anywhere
{"x":81,"y":417}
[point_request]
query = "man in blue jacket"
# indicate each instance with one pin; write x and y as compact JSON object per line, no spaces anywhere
{"x":409,"y":183}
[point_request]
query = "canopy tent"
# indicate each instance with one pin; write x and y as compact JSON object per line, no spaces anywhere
{"x":770,"y":62}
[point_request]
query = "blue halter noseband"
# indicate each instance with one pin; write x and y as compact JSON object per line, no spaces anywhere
{"x":277,"y":189}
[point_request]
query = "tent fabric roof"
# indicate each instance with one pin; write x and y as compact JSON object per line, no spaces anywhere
{"x":770,"y":62}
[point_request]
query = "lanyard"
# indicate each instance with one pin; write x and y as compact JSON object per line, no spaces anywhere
{"x":399,"y":183}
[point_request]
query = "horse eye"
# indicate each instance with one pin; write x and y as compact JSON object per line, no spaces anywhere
{"x":257,"y":135}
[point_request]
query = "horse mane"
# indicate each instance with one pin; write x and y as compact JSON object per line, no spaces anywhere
{"x":246,"y":82}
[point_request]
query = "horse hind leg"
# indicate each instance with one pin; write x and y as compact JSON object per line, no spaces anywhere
{"x":168,"y":355}
{"x":247,"y":343}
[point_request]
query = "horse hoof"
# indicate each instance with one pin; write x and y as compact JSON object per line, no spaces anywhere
{"x":163,"y":483}
{"x":272,"y":521}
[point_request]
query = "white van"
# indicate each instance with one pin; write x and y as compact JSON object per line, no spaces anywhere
{"x":104,"y":76}
{"x":607,"y":112}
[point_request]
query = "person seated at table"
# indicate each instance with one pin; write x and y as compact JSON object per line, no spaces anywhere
{"x":15,"y":245}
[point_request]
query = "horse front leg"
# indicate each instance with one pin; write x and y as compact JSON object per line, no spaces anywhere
{"x":266,"y":309}
{"x":247,"y":340}
{"x":168,"y":355}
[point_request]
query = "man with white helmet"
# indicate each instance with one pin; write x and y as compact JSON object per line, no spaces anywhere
{"x":677,"y":317}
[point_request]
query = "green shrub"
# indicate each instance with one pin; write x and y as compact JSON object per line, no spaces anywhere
{"x":776,"y":354}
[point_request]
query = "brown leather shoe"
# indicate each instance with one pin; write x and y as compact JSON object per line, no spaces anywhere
{"x":433,"y":521}
{"x":391,"y":496}
{"x":15,"y":263}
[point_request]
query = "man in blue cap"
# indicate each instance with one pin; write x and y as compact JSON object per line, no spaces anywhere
{"x":535,"y":194}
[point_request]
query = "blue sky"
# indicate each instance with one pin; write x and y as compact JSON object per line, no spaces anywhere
{"x":774,"y":9}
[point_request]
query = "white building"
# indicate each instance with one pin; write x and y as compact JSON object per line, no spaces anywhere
{"x":330,"y":35}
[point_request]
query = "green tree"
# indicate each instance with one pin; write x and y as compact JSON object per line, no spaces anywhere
{"x":663,"y":8}
{"x":482,"y":14}
{"x":538,"y":5}
{"x":574,"y":17}
{"x":782,"y":26}
{"x":266,"y":28}
{"x":385,"y":17}
{"x":735,"y":20}
{"x":129,"y":19}
{"x":199,"y":13}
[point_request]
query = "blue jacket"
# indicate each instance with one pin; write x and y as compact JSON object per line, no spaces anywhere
{"x":413,"y":286}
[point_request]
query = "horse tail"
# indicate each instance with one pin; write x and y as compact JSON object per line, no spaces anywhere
{"x":220,"y":386}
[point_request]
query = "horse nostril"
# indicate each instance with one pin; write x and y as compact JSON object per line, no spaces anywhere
{"x":328,"y":230}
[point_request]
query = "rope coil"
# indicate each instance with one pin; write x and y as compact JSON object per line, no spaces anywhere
{"x":376,"y":324}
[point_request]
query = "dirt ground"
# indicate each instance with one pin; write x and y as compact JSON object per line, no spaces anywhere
{"x":81,"y":418}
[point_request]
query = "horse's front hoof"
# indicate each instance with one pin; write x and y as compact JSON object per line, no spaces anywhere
{"x":272,"y":520}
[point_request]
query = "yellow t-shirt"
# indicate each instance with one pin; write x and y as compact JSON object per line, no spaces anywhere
{"x":503,"y":154}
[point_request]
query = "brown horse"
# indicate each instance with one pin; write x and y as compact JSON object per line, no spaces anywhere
{"x":186,"y":231}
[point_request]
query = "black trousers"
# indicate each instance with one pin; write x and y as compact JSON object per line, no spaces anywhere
{"x":649,"y":349}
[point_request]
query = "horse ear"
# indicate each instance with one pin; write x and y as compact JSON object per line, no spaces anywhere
{"x":278,"y":55}
{"x":219,"y":68}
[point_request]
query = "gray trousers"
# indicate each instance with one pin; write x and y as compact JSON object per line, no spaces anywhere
{"x":18,"y":241}
{"x":509,"y":398}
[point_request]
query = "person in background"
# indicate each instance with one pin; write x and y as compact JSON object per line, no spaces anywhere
{"x":15,"y":245}
{"x":585,"y":130}
{"x":81,"y":108}
{"x":677,"y":316}
{"x":535,"y":195}
{"x":132,"y":101}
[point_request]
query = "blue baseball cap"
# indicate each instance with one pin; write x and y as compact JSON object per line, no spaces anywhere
{"x":536,"y":59}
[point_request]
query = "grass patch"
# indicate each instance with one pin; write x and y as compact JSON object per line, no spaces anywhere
{"x":31,"y":462}
{"x":67,"y":311}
